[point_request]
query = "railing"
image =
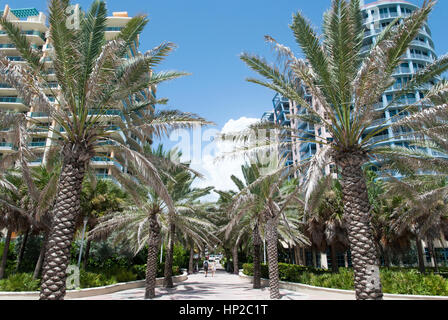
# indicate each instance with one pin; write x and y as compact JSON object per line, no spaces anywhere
{"x":6,"y":145}
{"x":5,"y":85}
{"x":379,"y":138}
{"x":37,"y":144}
{"x":7,"y":45}
{"x":114,"y":28}
{"x":101,"y":159}
{"x":39,"y":115}
{"x":11,"y":99}
{"x":111,"y":112}
{"x":40,"y":129}
{"x":37,"y":161}
{"x":15,"y":59}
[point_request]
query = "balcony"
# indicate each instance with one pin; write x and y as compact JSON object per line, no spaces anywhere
{"x":36,"y":163}
{"x":12,"y":103}
{"x":6,"y":146}
{"x":37,"y":144}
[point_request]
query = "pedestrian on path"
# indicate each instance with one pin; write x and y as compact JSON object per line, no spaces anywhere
{"x":213,"y":268}
{"x":206,"y":267}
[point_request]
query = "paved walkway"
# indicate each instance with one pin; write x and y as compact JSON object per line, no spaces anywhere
{"x":223,"y":286}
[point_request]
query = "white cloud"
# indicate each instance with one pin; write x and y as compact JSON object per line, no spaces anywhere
{"x":217,"y":174}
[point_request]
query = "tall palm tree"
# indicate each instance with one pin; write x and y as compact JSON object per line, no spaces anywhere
{"x":94,"y":76}
{"x":345,"y":85}
{"x":151,"y":218}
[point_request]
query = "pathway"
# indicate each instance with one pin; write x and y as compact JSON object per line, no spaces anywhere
{"x":223,"y":286}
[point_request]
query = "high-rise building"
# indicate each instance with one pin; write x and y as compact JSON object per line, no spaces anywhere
{"x":376,"y":16}
{"x":34,"y":25}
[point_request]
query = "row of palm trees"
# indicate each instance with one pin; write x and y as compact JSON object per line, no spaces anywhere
{"x":345,"y":84}
{"x":93,"y":74}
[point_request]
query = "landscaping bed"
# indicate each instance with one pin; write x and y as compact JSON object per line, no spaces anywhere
{"x":88,"y":279}
{"x":394,"y":281}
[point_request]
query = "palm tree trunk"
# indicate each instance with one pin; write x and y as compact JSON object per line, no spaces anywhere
{"x":5,"y":253}
{"x":386,"y":258}
{"x":41,"y":257}
{"x":65,"y":212}
{"x":357,"y":212}
{"x":272,"y":240}
{"x":168,"y":281}
{"x":86,"y":255}
{"x":257,"y":258}
{"x":334,"y":259}
{"x":22,"y":249}
{"x":191,"y":261}
{"x":151,"y":263}
{"x":236,"y":269}
{"x":421,"y":262}
{"x":432,"y":250}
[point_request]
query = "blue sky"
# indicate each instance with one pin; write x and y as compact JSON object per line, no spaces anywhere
{"x":210,"y":36}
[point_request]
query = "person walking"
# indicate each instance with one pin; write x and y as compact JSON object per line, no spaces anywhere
{"x":213,"y":268}
{"x":206,"y":267}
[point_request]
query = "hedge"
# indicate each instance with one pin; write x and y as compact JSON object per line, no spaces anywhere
{"x":394,"y":281}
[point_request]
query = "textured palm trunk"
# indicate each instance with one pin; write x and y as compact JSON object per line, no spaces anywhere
{"x":272,"y":240}
{"x":22,"y":249}
{"x":40,"y":260}
{"x":87,"y":254}
{"x":5,"y":253}
{"x":190,"y":262}
{"x":257,"y":258}
{"x":334,"y":259}
{"x":421,"y":262}
{"x":357,"y":212}
{"x":168,"y":281}
{"x":65,"y":213}
{"x":236,"y":269}
{"x":151,"y":263}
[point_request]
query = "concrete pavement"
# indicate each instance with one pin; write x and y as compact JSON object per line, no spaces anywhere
{"x":223,"y":286}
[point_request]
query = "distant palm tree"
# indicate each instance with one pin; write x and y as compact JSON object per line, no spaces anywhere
{"x":94,"y":79}
{"x":345,"y":85}
{"x":246,"y":213}
{"x":144,"y":223}
{"x":423,"y":210}
{"x":326,"y":223}
{"x":263,"y":202}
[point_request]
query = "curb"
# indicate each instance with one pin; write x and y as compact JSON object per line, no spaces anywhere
{"x":91,"y":292}
{"x":298,"y":286}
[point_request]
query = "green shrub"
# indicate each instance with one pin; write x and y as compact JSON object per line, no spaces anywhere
{"x":394,"y":280}
{"x":140,"y":271}
{"x":413,"y":282}
{"x":19,"y":282}
{"x":93,"y":280}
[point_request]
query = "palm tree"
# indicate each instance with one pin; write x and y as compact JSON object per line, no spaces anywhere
{"x":94,"y":78}
{"x":423,"y":210}
{"x":326,"y":223}
{"x":345,"y":85}
{"x":99,"y":198}
{"x":246,"y":218}
{"x":145,"y":222}
{"x":187,"y":213}
{"x":265,"y":201}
